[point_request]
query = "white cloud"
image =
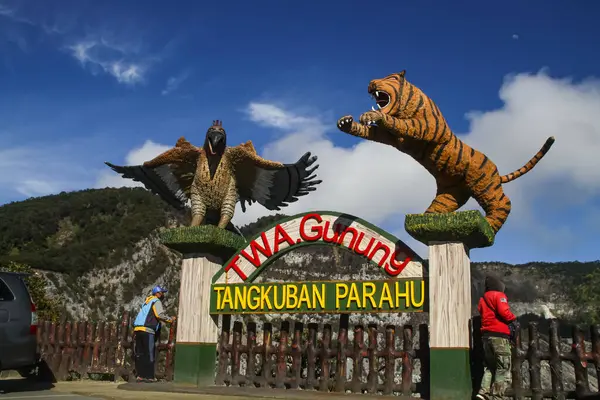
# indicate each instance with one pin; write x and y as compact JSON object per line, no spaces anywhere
{"x":357,"y":180}
{"x":381,"y":185}
{"x":36,"y":187}
{"x":369,"y":180}
{"x":273,"y":116}
{"x":117,"y":60}
{"x":174,"y":82}
{"x":137,"y":156}
{"x":33,"y":172}
{"x":536,"y":107}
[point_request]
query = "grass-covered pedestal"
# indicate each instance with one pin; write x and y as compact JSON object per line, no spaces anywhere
{"x":206,"y":239}
{"x":467,"y":227}
{"x":204,"y":249}
{"x":449,"y":238}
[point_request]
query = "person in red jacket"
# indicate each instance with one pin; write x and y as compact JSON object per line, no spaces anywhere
{"x":496,"y":323}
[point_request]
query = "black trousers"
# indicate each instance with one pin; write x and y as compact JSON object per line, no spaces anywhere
{"x":144,"y":355}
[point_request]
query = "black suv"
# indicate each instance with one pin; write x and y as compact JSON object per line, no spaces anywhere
{"x":18,"y":325}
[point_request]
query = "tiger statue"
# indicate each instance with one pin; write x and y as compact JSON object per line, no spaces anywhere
{"x":411,"y":122}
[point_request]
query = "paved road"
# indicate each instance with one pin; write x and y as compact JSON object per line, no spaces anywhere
{"x":13,"y":389}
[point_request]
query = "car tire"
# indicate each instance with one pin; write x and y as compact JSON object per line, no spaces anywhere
{"x":44,"y":373}
{"x":27,"y":372}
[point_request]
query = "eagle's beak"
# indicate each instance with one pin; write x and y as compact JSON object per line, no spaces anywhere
{"x":214,"y":142}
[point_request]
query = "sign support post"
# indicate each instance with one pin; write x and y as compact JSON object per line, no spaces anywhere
{"x":449,"y":237}
{"x":449,"y":315}
{"x":204,"y":248}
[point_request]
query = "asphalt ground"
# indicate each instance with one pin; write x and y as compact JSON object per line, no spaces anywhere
{"x":18,"y":388}
{"x":13,"y":389}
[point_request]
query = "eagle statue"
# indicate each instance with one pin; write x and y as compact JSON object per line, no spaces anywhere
{"x":212,"y":179}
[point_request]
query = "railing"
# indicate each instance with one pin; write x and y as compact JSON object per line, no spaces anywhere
{"x":543,"y":366}
{"x":106,"y":348}
{"x":378,"y":359}
{"x":322,"y":364}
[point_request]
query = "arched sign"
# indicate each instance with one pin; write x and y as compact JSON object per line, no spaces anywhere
{"x":233,"y":292}
{"x":318,"y":228}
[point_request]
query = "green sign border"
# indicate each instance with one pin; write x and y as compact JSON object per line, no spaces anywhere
{"x":411,"y":253}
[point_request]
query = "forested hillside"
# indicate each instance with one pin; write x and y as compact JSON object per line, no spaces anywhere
{"x":79,"y":231}
{"x":100,"y":253}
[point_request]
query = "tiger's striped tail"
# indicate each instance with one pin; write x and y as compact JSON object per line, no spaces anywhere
{"x":530,"y":164}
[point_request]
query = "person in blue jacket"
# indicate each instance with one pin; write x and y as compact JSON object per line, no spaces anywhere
{"x":146,"y":326}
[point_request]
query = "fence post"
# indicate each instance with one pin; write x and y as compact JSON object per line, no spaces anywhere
{"x":449,"y":237}
{"x":204,"y":249}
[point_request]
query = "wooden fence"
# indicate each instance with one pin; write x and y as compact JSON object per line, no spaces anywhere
{"x":104,"y":348}
{"x":314,"y":357}
{"x":544,"y":366}
{"x":301,"y":360}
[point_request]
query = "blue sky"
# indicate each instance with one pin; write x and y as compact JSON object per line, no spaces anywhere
{"x":85,"y":82}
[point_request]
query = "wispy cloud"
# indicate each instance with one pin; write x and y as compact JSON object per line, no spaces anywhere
{"x":12,"y":14}
{"x":274,"y":116}
{"x":36,"y":171}
{"x":53,"y":27}
{"x":117,"y":52}
{"x":174,"y":82}
{"x":112,"y":48}
{"x":99,"y":55}
{"x":11,"y":28}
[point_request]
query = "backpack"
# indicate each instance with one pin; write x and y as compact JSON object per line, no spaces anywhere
{"x":140,"y":319}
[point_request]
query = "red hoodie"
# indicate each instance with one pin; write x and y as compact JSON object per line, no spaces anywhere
{"x":491,"y":325}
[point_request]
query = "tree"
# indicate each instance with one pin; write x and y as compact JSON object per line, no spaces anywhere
{"x":48,"y":307}
{"x":587,"y":298}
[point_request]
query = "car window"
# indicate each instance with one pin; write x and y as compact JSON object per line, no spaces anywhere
{"x":5,"y":293}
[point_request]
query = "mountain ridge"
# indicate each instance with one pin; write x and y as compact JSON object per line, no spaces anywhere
{"x":100,"y":251}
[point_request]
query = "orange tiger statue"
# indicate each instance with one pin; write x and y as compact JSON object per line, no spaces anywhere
{"x":411,"y":122}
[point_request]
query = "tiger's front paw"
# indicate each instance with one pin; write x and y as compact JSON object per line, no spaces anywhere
{"x":371,"y":117}
{"x":345,"y":123}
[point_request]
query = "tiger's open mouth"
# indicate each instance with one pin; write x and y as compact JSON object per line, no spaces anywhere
{"x":382,"y":99}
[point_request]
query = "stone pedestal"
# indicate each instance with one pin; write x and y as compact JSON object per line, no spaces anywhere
{"x":449,"y":237}
{"x":204,"y":249}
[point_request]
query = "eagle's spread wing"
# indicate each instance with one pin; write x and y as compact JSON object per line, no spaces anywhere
{"x":270,"y":183}
{"x":169,"y":175}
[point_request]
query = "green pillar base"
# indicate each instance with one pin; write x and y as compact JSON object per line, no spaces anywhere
{"x":450,"y":374}
{"x":195,"y":364}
